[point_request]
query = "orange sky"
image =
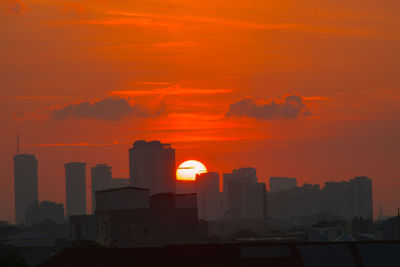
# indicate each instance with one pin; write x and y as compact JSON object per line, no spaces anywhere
{"x":308,"y":89}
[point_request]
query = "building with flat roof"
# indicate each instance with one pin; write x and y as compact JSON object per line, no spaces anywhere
{"x":244,"y":196}
{"x":101,"y":180}
{"x":136,"y":219}
{"x":25,"y":184}
{"x":209,"y":201}
{"x":75,"y":188}
{"x":152,"y":166}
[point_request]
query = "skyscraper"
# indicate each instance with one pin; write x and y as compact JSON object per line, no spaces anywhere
{"x":75,"y":188}
{"x":281,"y":183}
{"x":349,"y":199}
{"x":152,"y":166}
{"x":25,"y":184}
{"x":244,"y":195}
{"x":101,"y":180}
{"x":208,"y":196}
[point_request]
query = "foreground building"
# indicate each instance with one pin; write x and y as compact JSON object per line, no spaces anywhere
{"x":25,"y":184}
{"x":129,"y":217}
{"x":152,"y":166}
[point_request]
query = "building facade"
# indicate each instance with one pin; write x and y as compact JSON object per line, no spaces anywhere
{"x":162,"y":219}
{"x":25,"y":184}
{"x":209,"y":202}
{"x":75,"y":188}
{"x":152,"y":166}
{"x":244,"y":196}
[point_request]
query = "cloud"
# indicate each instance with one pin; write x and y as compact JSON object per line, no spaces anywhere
{"x":111,"y":108}
{"x":290,"y":107}
{"x":13,"y":6}
{"x":173,"y":90}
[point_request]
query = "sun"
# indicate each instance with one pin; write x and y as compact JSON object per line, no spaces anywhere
{"x":188,"y":170}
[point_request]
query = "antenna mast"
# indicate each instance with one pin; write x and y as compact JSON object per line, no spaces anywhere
{"x":18,"y":143}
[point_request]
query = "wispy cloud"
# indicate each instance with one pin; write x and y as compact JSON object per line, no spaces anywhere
{"x":210,"y":20}
{"x":115,"y":18}
{"x":173,"y":90}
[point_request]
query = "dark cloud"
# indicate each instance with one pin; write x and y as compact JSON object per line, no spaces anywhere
{"x":13,"y":6}
{"x":110,"y":109}
{"x":291,"y":107}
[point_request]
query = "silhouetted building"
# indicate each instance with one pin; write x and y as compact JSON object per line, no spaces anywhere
{"x":281,"y":183}
{"x":123,"y":198}
{"x":343,"y":200}
{"x":296,"y":202}
{"x":244,"y":195}
{"x":349,"y":199}
{"x":120,"y":182}
{"x":25,"y":184}
{"x":46,"y":210}
{"x":75,"y":188}
{"x":165,"y":218}
{"x":152,"y":166}
{"x":101,"y":180}
{"x":209,"y":201}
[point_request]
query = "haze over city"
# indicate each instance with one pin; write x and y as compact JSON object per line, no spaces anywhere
{"x":291,"y":89}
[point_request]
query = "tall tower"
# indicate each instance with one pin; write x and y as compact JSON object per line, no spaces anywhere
{"x":25,"y":184}
{"x":75,"y":188}
{"x":101,"y":180}
{"x":208,"y":196}
{"x":152,"y":166}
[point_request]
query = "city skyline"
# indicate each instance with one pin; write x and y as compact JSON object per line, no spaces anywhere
{"x":295,"y":89}
{"x":243,"y":181}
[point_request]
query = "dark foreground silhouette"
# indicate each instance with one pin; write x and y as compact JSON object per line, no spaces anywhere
{"x":237,"y":254}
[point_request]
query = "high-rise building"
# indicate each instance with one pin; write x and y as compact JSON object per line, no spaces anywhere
{"x":101,"y":180}
{"x":208,"y":197}
{"x":281,"y":183}
{"x":244,"y":196}
{"x":152,"y":166}
{"x":349,"y":199}
{"x":25,"y":184}
{"x":300,"y":201}
{"x":75,"y":188}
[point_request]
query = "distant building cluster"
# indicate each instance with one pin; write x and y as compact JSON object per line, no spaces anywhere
{"x":147,"y":208}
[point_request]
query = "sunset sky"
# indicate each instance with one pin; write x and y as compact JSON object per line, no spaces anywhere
{"x":307,"y":89}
